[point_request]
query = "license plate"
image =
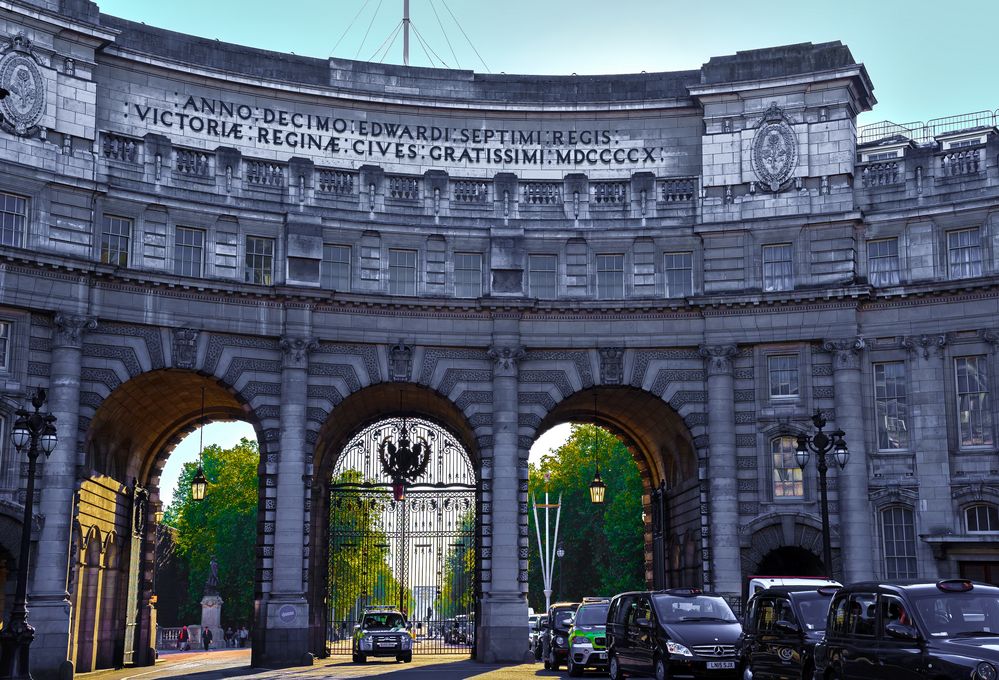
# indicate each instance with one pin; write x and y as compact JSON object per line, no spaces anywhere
{"x":720,"y":664}
{"x":386,"y":644}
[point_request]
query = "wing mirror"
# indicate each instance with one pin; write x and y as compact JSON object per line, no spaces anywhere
{"x":787,"y":627}
{"x":901,"y":631}
{"x":644,"y":622}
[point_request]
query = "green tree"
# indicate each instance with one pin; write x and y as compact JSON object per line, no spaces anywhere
{"x":457,"y":587}
{"x":223,"y":525}
{"x":604,"y":544}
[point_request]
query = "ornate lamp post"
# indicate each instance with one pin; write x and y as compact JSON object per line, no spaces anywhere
{"x":33,"y":431}
{"x":821,"y":444}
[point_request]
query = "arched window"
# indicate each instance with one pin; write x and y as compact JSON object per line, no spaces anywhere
{"x":982,"y":519}
{"x":787,"y":477}
{"x":898,"y":535}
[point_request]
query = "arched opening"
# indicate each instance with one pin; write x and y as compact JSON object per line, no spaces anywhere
{"x":417,"y":554}
{"x":132,"y":433}
{"x":791,"y":560}
{"x":661,"y":446}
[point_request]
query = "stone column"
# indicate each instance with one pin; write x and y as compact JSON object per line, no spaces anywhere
{"x":48,"y":600}
{"x":855,"y":531}
{"x":503,"y":627}
{"x":285,"y":638}
{"x":726,"y":562}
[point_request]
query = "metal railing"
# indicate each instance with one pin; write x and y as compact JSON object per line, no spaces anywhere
{"x":921,"y":133}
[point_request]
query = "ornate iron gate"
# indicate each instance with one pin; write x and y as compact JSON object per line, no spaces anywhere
{"x":417,"y":554}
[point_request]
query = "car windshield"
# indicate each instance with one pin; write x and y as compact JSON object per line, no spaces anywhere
{"x":592,"y":615}
{"x":383,"y":621}
{"x":563,"y":618}
{"x":954,"y":614}
{"x":676,"y":609}
{"x":812,"y":610}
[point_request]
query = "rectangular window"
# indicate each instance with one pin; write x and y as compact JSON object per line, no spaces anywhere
{"x":783,"y":372}
{"x":974,"y":409}
{"x":542,"y":275}
{"x":778,"y":267}
{"x":336,"y":267}
{"x":882,"y":262}
{"x":468,"y":275}
{"x":679,"y":269}
{"x":115,"y":237}
{"x":610,"y":276}
{"x":402,"y":272}
{"x":891,"y":405}
{"x":13,"y":218}
{"x":964,"y":253}
{"x":189,"y":252}
{"x":4,"y":345}
{"x":259,"y":261}
{"x":898,"y":533}
{"x":788,"y":481}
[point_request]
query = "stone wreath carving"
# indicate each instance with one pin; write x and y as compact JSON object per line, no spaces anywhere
{"x":775,"y":149}
{"x":20,"y":76}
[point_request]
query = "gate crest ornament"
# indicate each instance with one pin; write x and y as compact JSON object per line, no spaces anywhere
{"x":775,"y":149}
{"x":21,"y":77}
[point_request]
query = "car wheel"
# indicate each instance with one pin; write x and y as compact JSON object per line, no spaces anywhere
{"x":614,"y":669}
{"x":661,"y":672}
{"x":407,"y":658}
{"x":575,"y":670}
{"x":553,"y":662}
{"x":360,"y":658}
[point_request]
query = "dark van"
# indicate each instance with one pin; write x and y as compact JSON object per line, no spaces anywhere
{"x":676,"y":633}
{"x":781,"y":628}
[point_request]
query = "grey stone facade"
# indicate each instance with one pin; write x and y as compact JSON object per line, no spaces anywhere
{"x":696,"y":260}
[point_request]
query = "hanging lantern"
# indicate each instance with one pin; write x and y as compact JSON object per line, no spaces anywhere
{"x":403,"y":461}
{"x":597,"y":488}
{"x":199,"y":485}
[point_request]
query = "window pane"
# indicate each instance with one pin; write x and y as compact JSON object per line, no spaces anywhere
{"x":542,"y":278}
{"x":777,"y":267}
{"x":4,"y":350}
{"x":974,"y":409}
{"x":402,"y":272}
{"x":610,"y":276}
{"x":188,"y":252}
{"x":114,"y":240}
{"x":336,"y":267}
{"x":783,"y":371}
{"x":468,"y":275}
{"x":13,"y":217}
{"x":964,"y":249}
{"x":679,"y":269}
{"x":891,"y":405}
{"x":787,"y":476}
{"x":259,"y":261}
{"x":899,"y":542}
{"x":982,"y":518}
{"x":882,"y":262}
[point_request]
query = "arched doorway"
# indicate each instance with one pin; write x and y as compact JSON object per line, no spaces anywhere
{"x":132,"y":433}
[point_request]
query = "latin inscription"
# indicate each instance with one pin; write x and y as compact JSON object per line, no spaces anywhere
{"x":369,"y":140}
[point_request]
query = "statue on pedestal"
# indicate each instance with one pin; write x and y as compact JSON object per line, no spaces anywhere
{"x":211,"y":603}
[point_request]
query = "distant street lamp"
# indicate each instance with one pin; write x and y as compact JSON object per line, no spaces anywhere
{"x":560,"y":553}
{"x":35,"y":431}
{"x":821,"y":444}
{"x":199,"y":485}
{"x":597,"y":487}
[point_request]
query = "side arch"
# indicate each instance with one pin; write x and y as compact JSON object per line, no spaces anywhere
{"x":776,"y":531}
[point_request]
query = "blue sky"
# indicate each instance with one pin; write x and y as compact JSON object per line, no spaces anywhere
{"x":926,"y":60}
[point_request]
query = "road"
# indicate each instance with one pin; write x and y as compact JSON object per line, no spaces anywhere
{"x":234,"y":663}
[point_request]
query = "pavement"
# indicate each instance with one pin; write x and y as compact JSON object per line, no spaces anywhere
{"x":235,"y":663}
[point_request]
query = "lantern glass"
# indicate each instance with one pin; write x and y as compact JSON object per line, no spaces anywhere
{"x":597,"y":489}
{"x":199,"y":485}
{"x":20,"y":435}
{"x":842,"y":454}
{"x":560,"y":552}
{"x":801,"y":455}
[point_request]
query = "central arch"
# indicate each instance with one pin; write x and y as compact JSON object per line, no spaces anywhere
{"x":663,"y":449}
{"x":440,"y":512}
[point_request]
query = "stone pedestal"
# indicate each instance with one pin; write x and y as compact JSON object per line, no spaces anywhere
{"x":211,"y":617}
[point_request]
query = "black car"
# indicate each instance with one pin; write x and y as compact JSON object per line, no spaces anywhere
{"x":555,"y":640}
{"x":781,"y":628}
{"x":911,"y":629}
{"x":677,"y":633}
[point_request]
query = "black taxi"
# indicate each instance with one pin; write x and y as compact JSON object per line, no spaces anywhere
{"x":782,"y":626}
{"x":911,"y":629}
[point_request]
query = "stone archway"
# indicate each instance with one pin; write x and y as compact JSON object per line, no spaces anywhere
{"x":785,"y":544}
{"x":663,"y":449}
{"x":132,"y":433}
{"x":350,"y":418}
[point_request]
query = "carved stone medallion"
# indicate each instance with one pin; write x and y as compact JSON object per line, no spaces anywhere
{"x":21,"y":77}
{"x":775,"y":149}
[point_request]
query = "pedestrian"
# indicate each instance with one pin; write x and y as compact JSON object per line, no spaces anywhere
{"x":184,"y":639}
{"x":229,"y":637}
{"x":243,"y":635}
{"x":206,"y":638}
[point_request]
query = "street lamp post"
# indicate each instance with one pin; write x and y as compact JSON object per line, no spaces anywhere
{"x":34,"y":431}
{"x":560,"y":553}
{"x":547,"y":561}
{"x":821,"y":444}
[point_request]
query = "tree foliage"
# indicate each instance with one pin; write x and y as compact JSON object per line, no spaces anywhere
{"x":604,"y":544}
{"x":223,"y":525}
{"x":457,"y":587}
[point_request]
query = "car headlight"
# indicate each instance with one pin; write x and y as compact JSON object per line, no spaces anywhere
{"x":678,"y":649}
{"x":560,"y":640}
{"x":366,"y":642}
{"x":985,"y":671}
{"x":581,"y":641}
{"x":406,"y":641}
